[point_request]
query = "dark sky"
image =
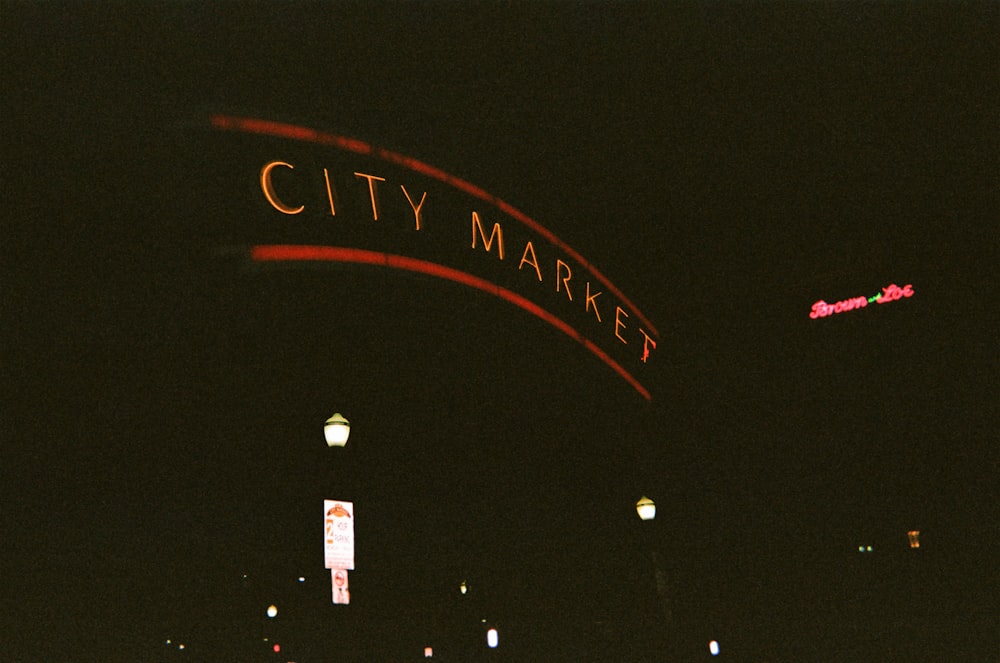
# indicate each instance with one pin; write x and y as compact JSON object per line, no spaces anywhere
{"x":725,"y":164}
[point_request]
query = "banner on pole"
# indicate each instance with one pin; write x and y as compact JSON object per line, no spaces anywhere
{"x":338,"y":517}
{"x":341,"y":591}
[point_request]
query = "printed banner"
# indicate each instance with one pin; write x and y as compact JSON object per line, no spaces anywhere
{"x":338,"y":539}
{"x":341,"y":591}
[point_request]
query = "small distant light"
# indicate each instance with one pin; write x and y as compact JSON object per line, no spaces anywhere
{"x":914,"y":538}
{"x":713,"y":648}
{"x":861,"y":548}
{"x":180,"y":646}
{"x":276,"y":647}
{"x":272,"y":611}
{"x":302,"y":579}
{"x":492,"y":638}
{"x":464,"y":588}
{"x":168,"y":641}
{"x":428,"y":652}
{"x":868,"y":549}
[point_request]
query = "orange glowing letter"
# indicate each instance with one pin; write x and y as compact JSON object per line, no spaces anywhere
{"x":619,"y":324}
{"x":565,"y":281}
{"x":268,"y":187}
{"x":488,"y":243}
{"x":528,"y":248}
{"x":645,"y":344}
{"x":592,"y":300}
{"x":329,"y":192}
{"x":371,"y":190}
{"x":416,"y":208}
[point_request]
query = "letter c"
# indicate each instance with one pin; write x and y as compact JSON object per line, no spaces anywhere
{"x":268,"y":187}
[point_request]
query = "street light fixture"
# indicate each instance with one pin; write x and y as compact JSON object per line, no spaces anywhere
{"x":646,"y":508}
{"x":336,"y":430}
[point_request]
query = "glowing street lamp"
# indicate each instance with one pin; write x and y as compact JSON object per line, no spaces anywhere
{"x":336,"y":430}
{"x":646,"y":508}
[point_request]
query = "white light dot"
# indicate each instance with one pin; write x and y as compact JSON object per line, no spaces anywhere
{"x":302,"y":579}
{"x":492,"y":638}
{"x":713,"y":648}
{"x":272,"y":610}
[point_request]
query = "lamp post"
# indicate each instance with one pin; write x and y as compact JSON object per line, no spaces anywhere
{"x":646,"y":508}
{"x":336,"y":430}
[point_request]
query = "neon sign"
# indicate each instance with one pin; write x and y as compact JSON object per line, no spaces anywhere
{"x":377,"y":201}
{"x":889,"y":293}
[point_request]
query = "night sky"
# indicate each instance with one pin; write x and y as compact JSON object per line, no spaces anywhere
{"x":726,"y":165}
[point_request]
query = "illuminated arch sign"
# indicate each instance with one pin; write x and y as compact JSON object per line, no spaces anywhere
{"x":360,"y":204}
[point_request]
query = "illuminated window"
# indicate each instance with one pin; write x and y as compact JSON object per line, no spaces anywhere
{"x":914,"y":538}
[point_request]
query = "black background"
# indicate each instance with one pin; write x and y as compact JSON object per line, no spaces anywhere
{"x":726,"y":165}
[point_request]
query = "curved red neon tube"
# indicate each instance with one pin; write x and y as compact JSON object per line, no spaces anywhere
{"x":304,"y":134}
{"x":300,"y":253}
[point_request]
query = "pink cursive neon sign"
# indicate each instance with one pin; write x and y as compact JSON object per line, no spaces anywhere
{"x":889,"y":293}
